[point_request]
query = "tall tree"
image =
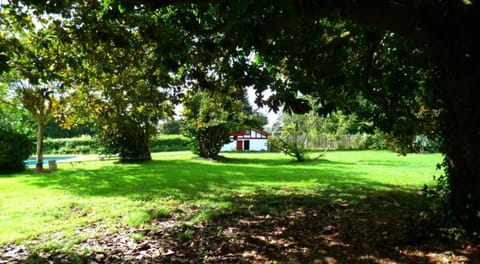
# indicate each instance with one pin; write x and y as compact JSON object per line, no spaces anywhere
{"x":315,"y":48}
{"x":36,"y":72}
{"x":123,"y":82}
{"x":38,"y":100}
{"x":317,"y":41}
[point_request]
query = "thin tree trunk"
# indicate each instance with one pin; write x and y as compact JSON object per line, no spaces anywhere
{"x":40,"y":133}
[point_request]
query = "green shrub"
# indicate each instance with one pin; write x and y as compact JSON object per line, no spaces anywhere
{"x":373,"y":141}
{"x":78,"y":145}
{"x":88,"y":145}
{"x":14,"y":150}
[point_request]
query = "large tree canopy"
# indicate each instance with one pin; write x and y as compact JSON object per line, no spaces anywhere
{"x":399,"y":63}
{"x":319,"y":57}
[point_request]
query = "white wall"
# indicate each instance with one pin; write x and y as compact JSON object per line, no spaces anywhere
{"x":258,"y":145}
{"x":232,"y":146}
{"x":255,"y":145}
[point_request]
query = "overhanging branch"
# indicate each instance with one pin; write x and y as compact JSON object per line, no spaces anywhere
{"x":159,"y":4}
{"x":400,"y":16}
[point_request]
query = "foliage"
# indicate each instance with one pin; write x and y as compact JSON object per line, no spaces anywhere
{"x":208,"y":123}
{"x":14,"y":150}
{"x":54,"y":130}
{"x":163,"y":143}
{"x":374,"y":141}
{"x":37,"y":69}
{"x":297,"y":130}
{"x":13,"y":115}
{"x":78,"y":145}
{"x":438,"y":213}
{"x":291,"y":141}
{"x":389,"y":64}
{"x":122,"y":85}
{"x":170,"y":127}
{"x":210,"y":118}
{"x":128,"y":139}
{"x":89,"y":145}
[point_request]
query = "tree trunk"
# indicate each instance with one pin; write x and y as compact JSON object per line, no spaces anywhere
{"x":136,"y":148}
{"x":40,"y":133}
{"x":462,"y":142}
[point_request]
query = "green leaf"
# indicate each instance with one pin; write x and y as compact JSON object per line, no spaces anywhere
{"x":121,"y":9}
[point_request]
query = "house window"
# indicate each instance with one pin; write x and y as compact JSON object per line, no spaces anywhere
{"x":247,"y":132}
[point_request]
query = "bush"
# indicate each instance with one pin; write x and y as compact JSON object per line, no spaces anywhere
{"x":373,"y":141}
{"x":14,"y":150}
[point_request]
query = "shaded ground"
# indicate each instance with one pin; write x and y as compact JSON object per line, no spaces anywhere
{"x":261,"y":229}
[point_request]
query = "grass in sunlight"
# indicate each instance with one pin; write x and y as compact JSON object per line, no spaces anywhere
{"x":82,"y":193}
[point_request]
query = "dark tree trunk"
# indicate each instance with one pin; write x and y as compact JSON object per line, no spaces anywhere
{"x":462,"y":143}
{"x":136,"y":149}
{"x":210,"y":142}
{"x":456,"y":47}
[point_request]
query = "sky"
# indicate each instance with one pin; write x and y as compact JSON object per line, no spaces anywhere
{"x":272,"y":116}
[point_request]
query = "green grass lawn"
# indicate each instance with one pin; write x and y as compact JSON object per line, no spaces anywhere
{"x":81,"y":193}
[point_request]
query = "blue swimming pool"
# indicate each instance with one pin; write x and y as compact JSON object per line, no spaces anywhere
{"x":31,"y":161}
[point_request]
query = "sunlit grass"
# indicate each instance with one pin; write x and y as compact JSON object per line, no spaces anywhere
{"x":82,"y":193}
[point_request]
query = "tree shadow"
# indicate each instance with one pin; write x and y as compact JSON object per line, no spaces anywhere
{"x":343,"y":218}
{"x":267,"y":227}
{"x":191,"y":179}
{"x":286,"y":161}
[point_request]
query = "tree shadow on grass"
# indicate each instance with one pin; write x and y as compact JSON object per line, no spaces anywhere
{"x":187,"y":180}
{"x":323,"y":212}
{"x":290,"y":228}
{"x":285,"y":161}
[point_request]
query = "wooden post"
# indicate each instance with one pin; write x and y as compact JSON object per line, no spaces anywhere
{"x":52,"y":165}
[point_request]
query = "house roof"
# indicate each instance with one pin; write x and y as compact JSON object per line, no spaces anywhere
{"x":242,"y":133}
{"x":263,"y":132}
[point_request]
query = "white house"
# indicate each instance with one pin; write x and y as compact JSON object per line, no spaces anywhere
{"x":247,"y":140}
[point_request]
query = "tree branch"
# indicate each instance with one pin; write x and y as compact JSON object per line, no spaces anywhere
{"x":374,"y":39}
{"x":401,"y":16}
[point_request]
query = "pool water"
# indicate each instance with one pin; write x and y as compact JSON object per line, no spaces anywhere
{"x":31,"y":161}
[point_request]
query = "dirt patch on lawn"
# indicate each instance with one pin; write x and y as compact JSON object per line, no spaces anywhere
{"x":339,"y":233}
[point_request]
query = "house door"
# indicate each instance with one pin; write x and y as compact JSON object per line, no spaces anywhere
{"x":246,"y":145}
{"x":239,"y":145}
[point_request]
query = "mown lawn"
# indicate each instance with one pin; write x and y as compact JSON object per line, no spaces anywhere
{"x":83,"y":193}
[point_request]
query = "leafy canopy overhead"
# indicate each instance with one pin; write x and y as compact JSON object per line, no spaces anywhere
{"x":411,"y":67}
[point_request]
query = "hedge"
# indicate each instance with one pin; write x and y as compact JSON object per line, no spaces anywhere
{"x":169,"y":143}
{"x":88,"y":145}
{"x":78,"y":145}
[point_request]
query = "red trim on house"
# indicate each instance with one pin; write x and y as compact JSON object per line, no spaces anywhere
{"x":249,"y":136}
